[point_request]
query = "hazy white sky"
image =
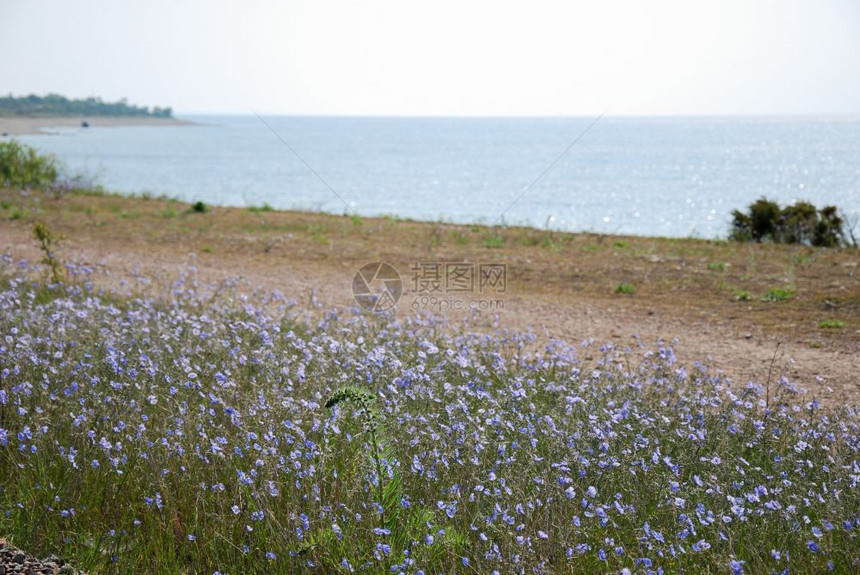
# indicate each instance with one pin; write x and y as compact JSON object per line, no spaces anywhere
{"x":461,"y":57}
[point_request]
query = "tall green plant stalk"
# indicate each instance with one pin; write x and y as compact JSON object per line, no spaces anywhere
{"x":47,"y":240}
{"x":373,"y":427}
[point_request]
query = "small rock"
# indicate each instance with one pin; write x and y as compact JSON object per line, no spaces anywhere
{"x":52,"y":559}
{"x":19,"y":558}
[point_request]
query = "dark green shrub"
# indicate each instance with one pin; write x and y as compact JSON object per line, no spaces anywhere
{"x":828,"y":230}
{"x":198,"y":208}
{"x":800,"y":223}
{"x":797,"y":223}
{"x":759,"y":224}
{"x":22,"y":166}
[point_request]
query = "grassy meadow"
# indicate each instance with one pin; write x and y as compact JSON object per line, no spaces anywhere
{"x":180,"y":425}
{"x":206,"y":431}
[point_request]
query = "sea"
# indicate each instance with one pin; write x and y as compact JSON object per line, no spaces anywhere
{"x":655,"y":176}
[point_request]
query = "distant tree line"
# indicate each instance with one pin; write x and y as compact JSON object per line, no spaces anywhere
{"x":56,"y":105}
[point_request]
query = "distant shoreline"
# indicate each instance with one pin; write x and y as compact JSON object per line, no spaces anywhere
{"x":26,"y":125}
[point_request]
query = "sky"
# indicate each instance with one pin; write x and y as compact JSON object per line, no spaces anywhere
{"x":440,"y":58}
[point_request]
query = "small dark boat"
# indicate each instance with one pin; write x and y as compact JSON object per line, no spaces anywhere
{"x":85,"y":124}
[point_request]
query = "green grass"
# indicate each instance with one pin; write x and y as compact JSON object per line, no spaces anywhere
{"x":494,"y":241}
{"x":261,"y":209}
{"x":318,"y":234}
{"x":742,"y":295}
{"x":549,"y":244}
{"x":19,"y":214}
{"x":778,"y":294}
{"x":831,"y":324}
{"x":625,"y":289}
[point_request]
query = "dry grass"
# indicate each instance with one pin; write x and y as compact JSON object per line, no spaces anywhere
{"x":705,"y":280}
{"x":708,"y":294}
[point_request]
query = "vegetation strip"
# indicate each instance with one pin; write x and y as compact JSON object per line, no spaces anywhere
{"x":208,"y":431}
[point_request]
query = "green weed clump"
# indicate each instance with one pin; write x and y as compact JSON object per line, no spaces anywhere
{"x":742,"y":295}
{"x":494,"y":241}
{"x":22,"y":166}
{"x":778,"y":294}
{"x":625,"y":289}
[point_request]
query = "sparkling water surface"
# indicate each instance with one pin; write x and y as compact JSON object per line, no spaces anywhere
{"x":668,"y":176}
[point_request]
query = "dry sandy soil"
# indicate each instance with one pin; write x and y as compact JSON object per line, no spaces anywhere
{"x":15,"y":126}
{"x":559,"y":285}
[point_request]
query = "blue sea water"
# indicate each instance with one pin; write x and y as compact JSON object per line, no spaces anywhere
{"x":669,"y":176}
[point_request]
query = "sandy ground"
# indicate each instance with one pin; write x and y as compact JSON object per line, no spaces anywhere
{"x":15,"y":126}
{"x":728,"y":346}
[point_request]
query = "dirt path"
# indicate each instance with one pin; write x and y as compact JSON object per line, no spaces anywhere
{"x":743,"y":356}
{"x":742,"y":339}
